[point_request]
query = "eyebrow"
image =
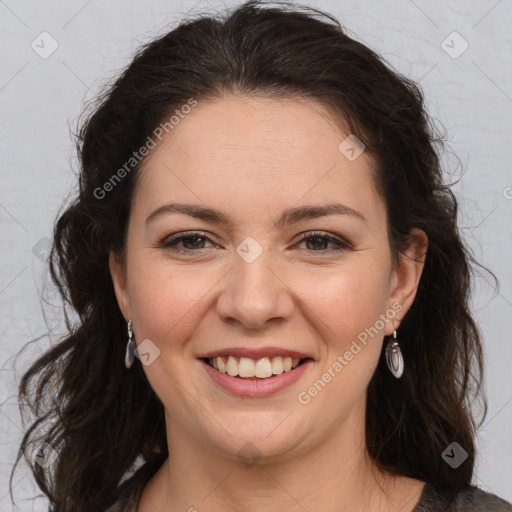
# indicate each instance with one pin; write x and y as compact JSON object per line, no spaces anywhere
{"x":289,"y":216}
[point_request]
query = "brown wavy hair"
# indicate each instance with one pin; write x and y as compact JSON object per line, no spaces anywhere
{"x":106,"y":422}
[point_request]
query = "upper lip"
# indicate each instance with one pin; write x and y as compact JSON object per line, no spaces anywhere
{"x":255,"y":353}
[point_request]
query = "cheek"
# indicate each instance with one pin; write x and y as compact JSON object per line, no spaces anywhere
{"x":350,"y":310}
{"x":150,"y":293}
{"x":351,"y":299}
{"x":166,"y":302}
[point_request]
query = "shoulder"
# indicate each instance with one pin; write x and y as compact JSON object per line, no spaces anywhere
{"x":467,"y":498}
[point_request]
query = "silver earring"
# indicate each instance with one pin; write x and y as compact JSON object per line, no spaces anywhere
{"x":394,"y":357}
{"x":129,"y":355}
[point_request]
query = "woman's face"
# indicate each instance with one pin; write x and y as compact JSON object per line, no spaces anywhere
{"x":246,"y":285}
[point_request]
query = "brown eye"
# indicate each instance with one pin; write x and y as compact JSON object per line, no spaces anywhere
{"x":192,"y":242}
{"x":317,"y":242}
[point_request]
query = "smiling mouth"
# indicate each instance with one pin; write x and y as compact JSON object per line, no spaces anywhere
{"x":250,"y":369}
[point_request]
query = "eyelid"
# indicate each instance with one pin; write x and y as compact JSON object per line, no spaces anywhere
{"x":178,"y":237}
{"x":336,"y":239}
{"x":170,"y":242}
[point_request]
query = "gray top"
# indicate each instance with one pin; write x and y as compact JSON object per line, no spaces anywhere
{"x":434,"y":498}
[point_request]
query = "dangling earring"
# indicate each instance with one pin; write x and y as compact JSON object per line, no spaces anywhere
{"x":394,"y":357}
{"x":130,"y":348}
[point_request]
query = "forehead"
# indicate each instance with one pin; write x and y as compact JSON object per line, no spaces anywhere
{"x":274,"y":151}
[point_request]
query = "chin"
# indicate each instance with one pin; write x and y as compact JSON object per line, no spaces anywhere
{"x":252,"y":443}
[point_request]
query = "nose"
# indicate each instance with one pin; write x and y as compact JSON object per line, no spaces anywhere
{"x":255,"y":295}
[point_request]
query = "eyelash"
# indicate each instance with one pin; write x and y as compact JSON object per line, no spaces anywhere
{"x":170,"y":243}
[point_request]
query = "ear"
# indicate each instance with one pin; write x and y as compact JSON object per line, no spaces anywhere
{"x":406,"y":275}
{"x":118,"y":273}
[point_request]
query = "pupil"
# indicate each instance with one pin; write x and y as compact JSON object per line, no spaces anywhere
{"x":195,"y":238}
{"x":317,"y":239}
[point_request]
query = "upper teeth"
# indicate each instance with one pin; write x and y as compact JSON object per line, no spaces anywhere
{"x":262,"y":368}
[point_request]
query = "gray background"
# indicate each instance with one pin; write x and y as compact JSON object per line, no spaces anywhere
{"x":470,"y":94}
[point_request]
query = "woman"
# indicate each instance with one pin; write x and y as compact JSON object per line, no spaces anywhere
{"x":271,"y":290}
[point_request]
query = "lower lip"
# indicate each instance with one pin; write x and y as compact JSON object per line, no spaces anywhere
{"x":257,"y":388}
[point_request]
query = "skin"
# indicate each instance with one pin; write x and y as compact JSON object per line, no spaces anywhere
{"x":253,"y":158}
